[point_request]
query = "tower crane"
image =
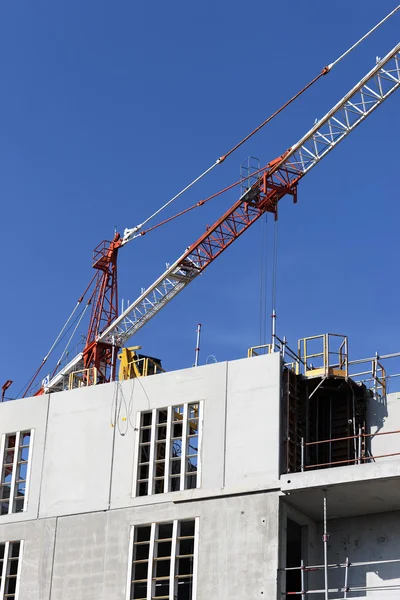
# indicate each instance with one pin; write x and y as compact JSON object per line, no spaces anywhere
{"x":280,"y":177}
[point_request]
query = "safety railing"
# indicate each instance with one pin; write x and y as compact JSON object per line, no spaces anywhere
{"x":281,"y":346}
{"x":376,"y":376}
{"x":359,"y":455}
{"x":330,"y":357}
{"x":82,"y":378}
{"x":259,"y":350}
{"x":347,"y":588}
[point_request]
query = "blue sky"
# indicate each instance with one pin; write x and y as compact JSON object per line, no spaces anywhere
{"x":109,"y":109}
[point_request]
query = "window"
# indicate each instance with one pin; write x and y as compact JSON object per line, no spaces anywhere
{"x":163,"y":561}
{"x":14,"y":473}
{"x":168,"y":452}
{"x":10,"y":553}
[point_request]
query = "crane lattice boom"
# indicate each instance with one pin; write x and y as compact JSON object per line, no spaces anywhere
{"x":279,"y":179}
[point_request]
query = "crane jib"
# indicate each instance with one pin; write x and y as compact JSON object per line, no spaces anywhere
{"x":280,"y":178}
{"x":276,"y":182}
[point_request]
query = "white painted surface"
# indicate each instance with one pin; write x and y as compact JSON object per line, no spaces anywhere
{"x":77,"y":464}
{"x":21,"y":415}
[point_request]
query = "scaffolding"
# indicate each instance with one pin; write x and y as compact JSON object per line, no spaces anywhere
{"x":326,"y":355}
{"x":359,"y":439}
{"x":346,"y":588}
{"x":327,"y":567}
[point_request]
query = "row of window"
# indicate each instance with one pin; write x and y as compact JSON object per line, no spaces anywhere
{"x":15,"y":471}
{"x":168,"y":449}
{"x":10,"y":561}
{"x":168,"y":452}
{"x":162,"y":563}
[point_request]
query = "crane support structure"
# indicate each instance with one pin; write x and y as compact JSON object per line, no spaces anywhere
{"x":279,"y":179}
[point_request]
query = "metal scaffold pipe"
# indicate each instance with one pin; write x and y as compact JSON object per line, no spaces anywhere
{"x":325,"y":540}
{"x":197,"y":349}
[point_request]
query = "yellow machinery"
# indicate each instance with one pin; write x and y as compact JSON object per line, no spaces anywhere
{"x":134,"y":365}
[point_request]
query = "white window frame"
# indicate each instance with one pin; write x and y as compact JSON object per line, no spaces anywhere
{"x":172,"y":576}
{"x":6,"y":567}
{"x":167,"y":476}
{"x":15,"y":468}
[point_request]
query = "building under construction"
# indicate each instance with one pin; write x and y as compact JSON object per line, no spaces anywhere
{"x":207,"y":482}
{"x":271,"y":476}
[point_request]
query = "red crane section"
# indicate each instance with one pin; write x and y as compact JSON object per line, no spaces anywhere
{"x":264,"y":195}
{"x":104,"y":311}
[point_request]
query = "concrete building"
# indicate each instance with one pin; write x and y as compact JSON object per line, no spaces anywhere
{"x":203,"y":483}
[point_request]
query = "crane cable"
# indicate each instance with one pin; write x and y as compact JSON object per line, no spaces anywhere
{"x":130,"y":234}
{"x":263,"y":279}
{"x":201,"y":202}
{"x":31,"y":381}
{"x":71,"y":337}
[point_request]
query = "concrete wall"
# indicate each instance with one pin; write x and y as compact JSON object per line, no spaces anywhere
{"x":37,"y":556}
{"x":363,"y":539}
{"x":81,"y":505}
{"x":237,"y":557}
{"x":384,"y":416}
{"x":205,"y":384}
{"x":359,"y":539}
{"x":78,"y":453}
{"x":19,"y":415}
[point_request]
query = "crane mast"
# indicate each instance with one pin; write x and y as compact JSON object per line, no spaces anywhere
{"x":279,"y":178}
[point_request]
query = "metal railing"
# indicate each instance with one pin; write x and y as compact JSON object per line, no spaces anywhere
{"x":281,"y":346}
{"x":331,"y":358}
{"x":82,"y":378}
{"x":346,"y":589}
{"x":360,"y":457}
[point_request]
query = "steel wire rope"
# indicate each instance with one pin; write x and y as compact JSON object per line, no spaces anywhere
{"x":30,"y":383}
{"x":274,"y":284}
{"x":201,"y":202}
{"x":71,"y":336}
{"x":130,"y":234}
{"x":263,"y":279}
{"x":78,"y":321}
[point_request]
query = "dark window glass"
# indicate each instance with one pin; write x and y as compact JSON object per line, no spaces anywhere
{"x":141,"y":552}
{"x":164,"y":531}
{"x":146,"y":419}
{"x":185,"y":587}
{"x":159,"y":486}
{"x":139,"y":591}
{"x":142,"y":488}
{"x":162,"y":416}
{"x":164,"y":549}
{"x":161,"y":589}
{"x":142,"y":534}
{"x":187,"y":528}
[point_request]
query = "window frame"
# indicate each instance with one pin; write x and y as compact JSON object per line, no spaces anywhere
{"x":154,"y":529}
{"x":16,"y":459}
{"x":4,"y":572}
{"x":153,"y":461}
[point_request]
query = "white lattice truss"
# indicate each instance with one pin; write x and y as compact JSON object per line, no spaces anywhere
{"x":341,"y":120}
